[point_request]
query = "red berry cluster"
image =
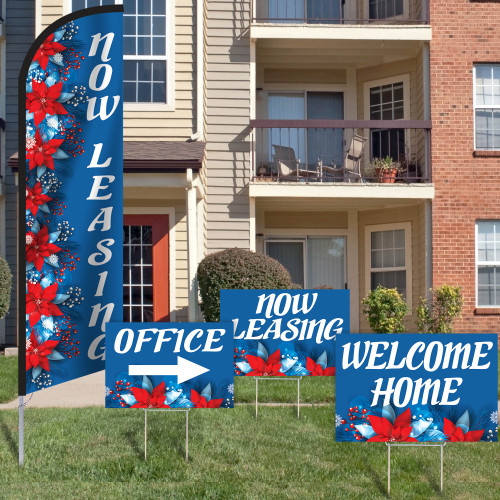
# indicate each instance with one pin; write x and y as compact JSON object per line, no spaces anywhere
{"x":356,"y":417}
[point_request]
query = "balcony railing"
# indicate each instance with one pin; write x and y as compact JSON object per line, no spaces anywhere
{"x":340,"y":150}
{"x":341,"y":11}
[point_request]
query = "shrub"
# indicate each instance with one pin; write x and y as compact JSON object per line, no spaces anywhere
{"x":385,"y":309}
{"x":236,"y":268}
{"x":437,"y":313}
{"x":5,"y":287}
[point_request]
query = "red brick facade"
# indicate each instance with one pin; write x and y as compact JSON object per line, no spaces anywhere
{"x":464,"y":32}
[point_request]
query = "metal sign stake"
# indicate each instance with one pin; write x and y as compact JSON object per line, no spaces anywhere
{"x":186,"y":410}
{"x":21,"y":431}
{"x":298,"y":379}
{"x":441,"y":445}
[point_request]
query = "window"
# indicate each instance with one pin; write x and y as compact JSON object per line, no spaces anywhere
{"x":487,"y":106}
{"x":488,"y":263}
{"x":146,"y":49}
{"x":313,"y":262}
{"x":388,"y":257}
{"x":310,"y":11}
{"x":387,"y":103}
{"x":145,"y":268}
{"x":384,"y":9}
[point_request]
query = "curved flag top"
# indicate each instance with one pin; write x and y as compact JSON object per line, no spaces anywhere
{"x":71,"y":185}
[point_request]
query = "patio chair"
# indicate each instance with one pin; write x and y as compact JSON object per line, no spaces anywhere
{"x":351,"y":168}
{"x":289,"y":166}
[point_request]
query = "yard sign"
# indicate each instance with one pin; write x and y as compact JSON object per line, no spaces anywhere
{"x":417,"y":388}
{"x":285,"y":332}
{"x":71,"y":192}
{"x":169,"y":365}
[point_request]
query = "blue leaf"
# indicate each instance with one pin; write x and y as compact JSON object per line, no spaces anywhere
{"x":171,"y":396}
{"x":244,"y":366}
{"x":207,"y":392}
{"x":129,"y":399}
{"x":65,"y":96}
{"x":29,"y":266}
{"x":146,"y":384}
{"x":262,"y":352}
{"x":44,"y":208}
{"x":58,"y":34}
{"x":366,"y":430}
{"x":433,"y":435}
{"x":36,"y":371}
{"x":55,"y":356}
{"x":388,"y":413}
{"x":35,"y":227}
{"x":50,"y":80}
{"x":40,"y":171}
{"x":60,"y":297}
{"x":464,"y":422}
{"x":322,"y":360}
{"x":60,"y":155}
{"x":286,"y":364}
{"x":45,"y":282}
{"x":419,"y":427}
{"x":53,"y":236}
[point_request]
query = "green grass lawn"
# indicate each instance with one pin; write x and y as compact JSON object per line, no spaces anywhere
{"x":8,"y":378}
{"x":99,"y":454}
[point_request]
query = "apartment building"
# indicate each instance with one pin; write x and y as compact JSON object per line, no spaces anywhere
{"x":257,"y":124}
{"x":465,"y":100}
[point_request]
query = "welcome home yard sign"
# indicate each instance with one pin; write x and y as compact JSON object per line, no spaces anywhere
{"x":71,"y":191}
{"x":417,"y":388}
{"x":169,"y":365}
{"x":285,"y":332}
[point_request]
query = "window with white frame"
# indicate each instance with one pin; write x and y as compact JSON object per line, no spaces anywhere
{"x":388,"y":257}
{"x":385,"y":9}
{"x":488,"y":263}
{"x":145,"y":47}
{"x":487,"y":106}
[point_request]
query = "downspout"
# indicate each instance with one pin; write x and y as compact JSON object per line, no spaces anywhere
{"x":200,"y":94}
{"x":428,"y":156}
{"x":192,"y":246}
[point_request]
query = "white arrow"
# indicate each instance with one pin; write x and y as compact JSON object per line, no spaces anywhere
{"x":184,"y":369}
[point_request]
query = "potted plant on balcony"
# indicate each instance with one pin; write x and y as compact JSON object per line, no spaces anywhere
{"x":384,"y":170}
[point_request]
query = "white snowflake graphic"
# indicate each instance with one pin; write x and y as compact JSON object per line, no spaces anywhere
{"x":28,"y":344}
{"x":29,"y":239}
{"x":338,"y":420}
{"x":53,"y":259}
{"x":230,"y":388}
{"x":57,"y":58}
{"x":494,"y":417}
{"x":47,"y":323}
{"x":53,"y":122}
{"x":107,"y":391}
{"x":30,"y":143}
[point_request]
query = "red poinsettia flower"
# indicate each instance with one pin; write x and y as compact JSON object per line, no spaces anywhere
{"x":35,"y":198}
{"x":48,"y":48}
{"x":454,"y":433}
{"x":38,"y":247}
{"x":399,"y":431}
{"x":270,"y":367}
{"x":146,"y":400}
{"x":39,"y":301}
{"x":316,"y":370}
{"x":36,"y":353}
{"x":42,"y":101}
{"x":41,"y":153}
{"x":199,"y":401}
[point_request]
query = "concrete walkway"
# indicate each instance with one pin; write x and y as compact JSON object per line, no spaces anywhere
{"x":78,"y":393}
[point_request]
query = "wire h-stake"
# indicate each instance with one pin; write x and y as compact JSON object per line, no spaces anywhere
{"x":298,"y":379}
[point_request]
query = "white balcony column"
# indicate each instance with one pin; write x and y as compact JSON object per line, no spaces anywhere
{"x":253,"y":233}
{"x":192,"y":246}
{"x":353,"y":267}
{"x":428,"y":244}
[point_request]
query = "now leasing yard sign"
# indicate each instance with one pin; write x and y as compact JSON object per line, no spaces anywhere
{"x":417,"y":388}
{"x":285,"y":332}
{"x":169,"y":365}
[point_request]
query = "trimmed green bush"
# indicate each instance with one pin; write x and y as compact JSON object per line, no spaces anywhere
{"x":437,"y":313}
{"x":385,"y":309}
{"x":5,"y":287}
{"x":235,"y":269}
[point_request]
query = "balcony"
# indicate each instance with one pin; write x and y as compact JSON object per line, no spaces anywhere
{"x":341,"y":19}
{"x":340,"y":152}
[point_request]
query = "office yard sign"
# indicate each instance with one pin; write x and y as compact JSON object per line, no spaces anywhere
{"x":417,"y":388}
{"x":285,"y":332}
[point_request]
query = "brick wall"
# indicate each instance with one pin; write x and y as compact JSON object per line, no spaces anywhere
{"x":467,"y":188}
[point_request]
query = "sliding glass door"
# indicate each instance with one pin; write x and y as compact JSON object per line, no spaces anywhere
{"x":309,"y":11}
{"x":313,"y":262}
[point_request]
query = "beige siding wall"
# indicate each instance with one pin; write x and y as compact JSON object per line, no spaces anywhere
{"x":415,"y":215}
{"x":227,"y":121}
{"x":180,"y":245}
{"x":151,"y":125}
